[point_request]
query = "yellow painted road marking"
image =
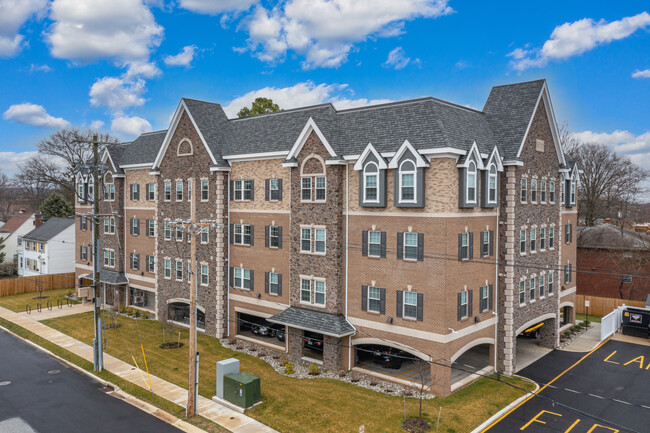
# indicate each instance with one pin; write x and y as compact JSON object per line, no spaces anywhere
{"x":544,"y":387}
{"x":536,"y":418}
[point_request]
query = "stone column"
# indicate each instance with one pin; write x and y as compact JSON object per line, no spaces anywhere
{"x":332,"y":353}
{"x":506,"y":344}
{"x":295,"y":344}
{"x":221,"y":255}
{"x":548,"y":334}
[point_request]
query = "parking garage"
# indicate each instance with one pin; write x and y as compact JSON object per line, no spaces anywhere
{"x":392,"y":362}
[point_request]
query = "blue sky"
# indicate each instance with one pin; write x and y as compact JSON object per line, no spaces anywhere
{"x":122,"y":65}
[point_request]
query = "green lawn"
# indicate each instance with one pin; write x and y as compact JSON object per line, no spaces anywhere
{"x":294,"y":405}
{"x":592,"y":318}
{"x":17,"y":303}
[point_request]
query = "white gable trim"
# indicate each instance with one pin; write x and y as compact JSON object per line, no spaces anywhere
{"x":302,"y":138}
{"x":170,"y":133}
{"x":495,"y":157}
{"x":477,"y":157}
{"x":106,"y":156}
{"x":419,"y":161}
{"x":381,"y":162}
{"x":545,"y":96}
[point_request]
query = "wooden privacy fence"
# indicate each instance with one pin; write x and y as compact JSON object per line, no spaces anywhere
{"x":18,"y":285}
{"x":603,"y":306}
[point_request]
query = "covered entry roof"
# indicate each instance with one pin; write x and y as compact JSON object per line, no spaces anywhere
{"x":109,"y":277}
{"x":315,"y":321}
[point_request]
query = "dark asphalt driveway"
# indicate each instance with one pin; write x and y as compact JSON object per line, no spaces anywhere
{"x":44,"y":395}
{"x":617,"y":374}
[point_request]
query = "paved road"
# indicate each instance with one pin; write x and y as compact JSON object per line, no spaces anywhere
{"x":44,"y":395}
{"x":616,"y":371}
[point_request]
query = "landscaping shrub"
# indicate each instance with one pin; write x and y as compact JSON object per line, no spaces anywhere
{"x":136,"y":313}
{"x":313,"y":369}
{"x":567,"y":334}
{"x":587,"y":323}
{"x":129,"y":311}
{"x":288,"y":368}
{"x":122,"y":309}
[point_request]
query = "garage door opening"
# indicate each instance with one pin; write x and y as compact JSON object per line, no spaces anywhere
{"x":259,"y":328}
{"x":472,"y":361}
{"x":393,"y":362}
{"x":529,"y":349}
{"x":313,"y":344}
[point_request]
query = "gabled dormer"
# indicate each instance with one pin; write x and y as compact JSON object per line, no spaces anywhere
{"x":408,"y":166}
{"x":469,"y":166}
{"x":372,"y":169}
{"x":570,"y":187}
{"x":490,"y":180}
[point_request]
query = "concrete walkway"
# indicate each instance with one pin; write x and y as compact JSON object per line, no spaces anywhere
{"x":225,"y":417}
{"x":586,"y":341}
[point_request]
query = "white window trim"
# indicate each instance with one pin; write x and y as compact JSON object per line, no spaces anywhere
{"x":167,"y":182}
{"x":207,"y":183}
{"x":315,"y":183}
{"x":414,"y":172}
{"x":312,"y":239}
{"x":365,"y":182}
{"x":473,"y":172}
{"x":374,"y":243}
{"x":303,"y":278}
{"x":464,"y":235}
{"x":533,"y":240}
{"x":302,"y":188}
{"x":111,"y":258}
{"x":523,"y":186}
{"x":313,"y":286}
{"x":416,"y":246}
{"x":466,"y":304}
{"x":572,"y":192}
{"x":533,"y":279}
{"x":378,"y":299}
{"x":234,"y":238}
{"x":523,"y":253}
{"x":533,"y":182}
{"x":487,"y":298}
{"x":551,"y":182}
{"x":204,"y":230}
{"x":202,"y":265}
{"x":271,"y":283}
{"x":496,"y":186}
{"x":271,"y":189}
{"x":182,"y":184}
{"x":241,"y":189}
{"x":522,"y":284}
{"x":278,"y":236}
{"x":542,"y":192}
{"x":242,"y":287}
{"x":176,"y":262}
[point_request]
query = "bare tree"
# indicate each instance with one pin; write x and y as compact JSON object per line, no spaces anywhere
{"x":8,"y":195}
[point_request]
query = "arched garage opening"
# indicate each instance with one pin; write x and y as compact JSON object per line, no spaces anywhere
{"x":475,"y":356}
{"x":567,"y":314}
{"x":178,"y":311}
{"x":392,"y":360}
{"x":535,"y":338}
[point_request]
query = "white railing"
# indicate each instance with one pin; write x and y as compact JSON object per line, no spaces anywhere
{"x":611,"y":323}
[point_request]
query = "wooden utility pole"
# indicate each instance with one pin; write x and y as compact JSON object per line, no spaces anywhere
{"x":192,"y":388}
{"x":98,"y":356}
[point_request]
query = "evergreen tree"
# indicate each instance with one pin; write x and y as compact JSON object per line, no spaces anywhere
{"x":56,"y":206}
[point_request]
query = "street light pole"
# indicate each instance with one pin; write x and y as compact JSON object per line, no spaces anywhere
{"x":192,"y":388}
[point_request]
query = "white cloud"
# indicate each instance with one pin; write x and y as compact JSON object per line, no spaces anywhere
{"x":572,"y":39}
{"x":87,"y":30}
{"x":641,"y":74}
{"x":325,"y":31}
{"x":637,"y":147}
{"x":34,"y":115}
{"x":397,"y":59}
{"x":9,"y":161}
{"x":39,"y":68}
{"x":130,"y":126}
{"x":184,"y":58}
{"x":301,"y":95}
{"x":214,"y":7}
{"x":117,"y":93}
{"x":13,"y":15}
{"x":142,"y":69}
{"x":96,"y":124}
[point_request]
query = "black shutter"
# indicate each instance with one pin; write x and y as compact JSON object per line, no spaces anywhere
{"x":570,"y":272}
{"x":458,"y":311}
{"x":364,"y":243}
{"x":81,"y":254}
{"x":266,"y":236}
{"x":280,"y":237}
{"x":131,"y":226}
{"x":420,"y":247}
{"x":232,"y":233}
{"x":460,"y":247}
{"x":279,"y":284}
{"x":232,"y":190}
{"x":400,"y":295}
{"x":138,"y":264}
{"x":570,"y":232}
{"x":131,"y":260}
{"x":382,"y":301}
{"x":420,"y":306}
{"x":252,"y":236}
{"x":131,"y":192}
{"x":491,"y":242}
{"x":252,"y":280}
{"x":471,"y":245}
{"x":491,"y":296}
{"x":400,"y":248}
{"x":266,"y":190}
{"x":137,"y":228}
{"x":280,"y":189}
{"x":364,"y":298}
{"x":383,"y":245}
{"x":266,"y":282}
{"x":252,"y":190}
{"x":232,"y":275}
{"x":470,"y":296}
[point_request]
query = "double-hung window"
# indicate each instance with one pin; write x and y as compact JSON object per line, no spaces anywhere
{"x":320,"y":188}
{"x":532,"y":288}
{"x":305,"y":240}
{"x":274,"y":283}
{"x":410,"y":305}
{"x":151,"y":262}
{"x":179,"y":232}
{"x":83,"y":223}
{"x":305,"y":290}
{"x":242,"y":234}
{"x":319,"y":244}
{"x":189,"y":190}
{"x":179,"y":190}
{"x":135,"y":261}
{"x":542,"y":238}
{"x":168,"y":268}
{"x":551,"y":237}
{"x":179,"y":270}
{"x":464,"y":307}
{"x":275,"y":192}
{"x":485,"y":243}
{"x":410,"y":246}
{"x":522,"y":241}
{"x":550,"y":282}
{"x":551,"y":191}
{"x":572,"y":197}
{"x":109,"y":258}
{"x":485,"y":294}
{"x":533,"y":190}
{"x":205,"y":191}
{"x":374,"y":244}
{"x":533,"y":240}
{"x":204,"y":235}
{"x":274,"y":236}
{"x":168,"y":230}
{"x":407,"y":181}
{"x":471,"y":183}
{"x":151,"y":191}
{"x":464,"y":246}
{"x":151,"y":228}
{"x":371,"y":183}
{"x":542,"y":191}
{"x":319,"y":292}
{"x":492,"y":185}
{"x":109,"y":225}
{"x":81,"y":192}
{"x":83,"y":254}
{"x":135,"y":226}
{"x":567,"y":273}
{"x":242,"y":278}
{"x":168,"y":191}
{"x":524,"y":190}
{"x":541,"y":286}
{"x":243,"y":190}
{"x":109,"y":192}
{"x":204,"y":275}
{"x":522,"y":292}
{"x":135,"y":191}
{"x":374,"y":299}
{"x":305,"y":189}
{"x":319,"y":240}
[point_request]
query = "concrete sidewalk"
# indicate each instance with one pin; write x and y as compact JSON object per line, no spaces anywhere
{"x":586,"y":341}
{"x":225,"y":417}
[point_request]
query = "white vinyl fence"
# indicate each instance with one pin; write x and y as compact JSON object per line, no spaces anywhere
{"x":611,"y":323}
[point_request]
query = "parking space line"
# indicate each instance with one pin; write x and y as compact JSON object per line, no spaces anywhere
{"x":406,"y":371}
{"x":544,"y":387}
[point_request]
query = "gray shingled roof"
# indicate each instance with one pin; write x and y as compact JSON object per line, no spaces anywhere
{"x":109,"y":277}
{"x":610,"y":237}
{"x":316,"y":321}
{"x":142,"y":150}
{"x":49,"y":229}
{"x":509,"y":110}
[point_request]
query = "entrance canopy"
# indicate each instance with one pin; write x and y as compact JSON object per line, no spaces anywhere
{"x":332,"y":325}
{"x":109,"y":277}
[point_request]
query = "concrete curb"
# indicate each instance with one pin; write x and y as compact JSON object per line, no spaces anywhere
{"x":117,"y":393}
{"x":508,"y":408}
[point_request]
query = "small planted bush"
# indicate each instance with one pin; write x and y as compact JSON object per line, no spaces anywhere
{"x":313,"y":369}
{"x":288,"y":368}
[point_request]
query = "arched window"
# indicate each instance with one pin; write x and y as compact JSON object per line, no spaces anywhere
{"x":371,"y":183}
{"x":407,"y":182}
{"x":471,"y":182}
{"x":109,"y":187}
{"x":184,"y":148}
{"x":492,"y":184}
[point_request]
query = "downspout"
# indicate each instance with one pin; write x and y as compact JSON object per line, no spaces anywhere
{"x":496,"y":292}
{"x":227,"y":242}
{"x":347,"y":243}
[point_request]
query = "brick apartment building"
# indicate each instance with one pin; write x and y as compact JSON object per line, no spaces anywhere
{"x":420,"y":228}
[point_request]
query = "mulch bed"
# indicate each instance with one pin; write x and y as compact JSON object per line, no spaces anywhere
{"x":414,"y":425}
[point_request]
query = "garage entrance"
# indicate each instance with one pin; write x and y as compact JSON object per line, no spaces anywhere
{"x":473,"y":360}
{"x":392,"y":362}
{"x":535,"y":339}
{"x":259,"y":328}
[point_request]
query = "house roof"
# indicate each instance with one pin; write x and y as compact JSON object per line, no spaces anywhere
{"x":142,"y":150}
{"x":109,"y":277}
{"x":15,"y":222}
{"x":316,"y":321}
{"x":49,"y":229}
{"x":610,"y":237}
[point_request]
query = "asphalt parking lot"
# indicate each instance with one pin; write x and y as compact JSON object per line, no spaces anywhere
{"x":606,"y":390}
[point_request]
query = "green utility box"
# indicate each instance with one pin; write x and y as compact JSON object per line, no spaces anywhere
{"x":242,"y":389}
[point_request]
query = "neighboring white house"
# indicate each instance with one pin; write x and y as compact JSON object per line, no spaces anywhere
{"x":48,"y":249}
{"x":14,"y":229}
